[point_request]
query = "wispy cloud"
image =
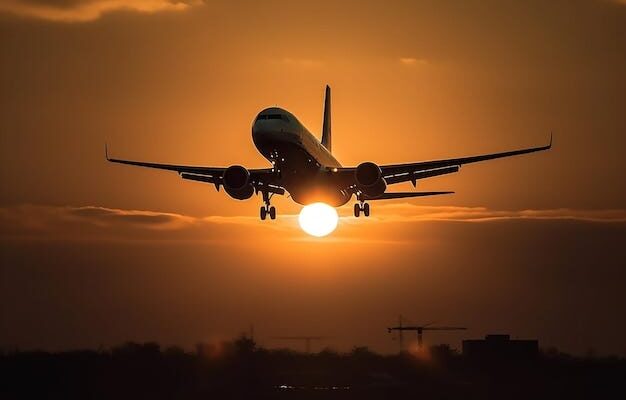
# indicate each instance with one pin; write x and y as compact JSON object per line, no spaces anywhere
{"x":88,"y":10}
{"x":410,"y":212}
{"x":411,"y":62}
{"x":107,"y":217}
{"x":302,"y":62}
{"x":96,"y":223}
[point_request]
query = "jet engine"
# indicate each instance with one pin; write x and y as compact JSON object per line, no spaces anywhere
{"x":236,"y":180}
{"x":369,"y":179}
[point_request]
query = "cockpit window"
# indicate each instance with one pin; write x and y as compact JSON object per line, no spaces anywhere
{"x":273,"y":116}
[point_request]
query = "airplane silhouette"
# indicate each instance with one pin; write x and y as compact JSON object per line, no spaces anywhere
{"x":304,"y":167}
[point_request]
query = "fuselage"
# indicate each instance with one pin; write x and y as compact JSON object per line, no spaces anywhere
{"x":303,"y":164}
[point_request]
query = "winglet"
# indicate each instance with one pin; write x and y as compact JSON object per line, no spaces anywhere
{"x":106,"y":151}
{"x":550,"y":144}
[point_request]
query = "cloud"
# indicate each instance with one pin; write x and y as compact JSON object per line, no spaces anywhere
{"x":302,"y":62}
{"x":101,"y":223}
{"x":410,"y":212}
{"x":106,"y":217}
{"x":411,"y":62}
{"x":88,"y":10}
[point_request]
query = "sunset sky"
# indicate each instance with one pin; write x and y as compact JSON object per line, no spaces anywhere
{"x":95,"y":254}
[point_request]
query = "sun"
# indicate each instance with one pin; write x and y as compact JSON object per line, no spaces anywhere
{"x":318,"y":219}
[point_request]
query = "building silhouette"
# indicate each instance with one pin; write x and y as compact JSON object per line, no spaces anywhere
{"x":500,"y":348}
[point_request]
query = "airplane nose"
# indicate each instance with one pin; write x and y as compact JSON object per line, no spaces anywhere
{"x":264,"y":130}
{"x":264,"y":127}
{"x":273,"y":132}
{"x":260,"y":129}
{"x":263,"y":133}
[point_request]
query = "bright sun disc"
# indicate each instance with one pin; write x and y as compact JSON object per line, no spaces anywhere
{"x":318,"y":219}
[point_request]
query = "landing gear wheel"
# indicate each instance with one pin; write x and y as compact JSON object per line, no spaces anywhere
{"x":357,"y":210}
{"x":366,"y":209}
{"x":267,"y":209}
{"x":263,"y":213}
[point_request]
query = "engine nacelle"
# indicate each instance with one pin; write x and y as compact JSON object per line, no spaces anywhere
{"x":369,"y":179}
{"x":236,"y":180}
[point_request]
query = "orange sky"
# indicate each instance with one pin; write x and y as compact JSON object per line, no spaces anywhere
{"x":182,"y":81}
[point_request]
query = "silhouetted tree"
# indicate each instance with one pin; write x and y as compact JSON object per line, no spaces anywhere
{"x":240,"y":369}
{"x":244,"y":345}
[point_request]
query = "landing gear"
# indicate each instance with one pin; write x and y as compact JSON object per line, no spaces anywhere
{"x":267,"y":209}
{"x":362,"y":206}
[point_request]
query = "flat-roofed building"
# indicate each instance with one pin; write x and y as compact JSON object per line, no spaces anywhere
{"x":500,"y":347}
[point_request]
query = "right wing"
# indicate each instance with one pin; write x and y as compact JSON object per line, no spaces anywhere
{"x":403,"y":195}
{"x":412,"y":172}
{"x":397,"y":173}
{"x":261,"y":178}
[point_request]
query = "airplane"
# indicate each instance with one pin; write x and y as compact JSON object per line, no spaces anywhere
{"x":305,"y":168}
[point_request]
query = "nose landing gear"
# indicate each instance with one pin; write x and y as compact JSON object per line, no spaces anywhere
{"x":361,"y":207}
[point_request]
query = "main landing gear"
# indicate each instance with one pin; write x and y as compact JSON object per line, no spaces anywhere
{"x":266,"y":208}
{"x":361,"y":207}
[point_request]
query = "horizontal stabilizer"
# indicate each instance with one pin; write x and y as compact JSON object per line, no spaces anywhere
{"x":402,"y":195}
{"x":201,"y":178}
{"x":217,"y":181}
{"x":415,"y":176}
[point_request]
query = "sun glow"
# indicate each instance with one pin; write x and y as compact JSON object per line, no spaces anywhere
{"x":318,"y":219}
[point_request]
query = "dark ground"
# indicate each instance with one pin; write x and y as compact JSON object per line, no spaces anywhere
{"x":239,"y":369}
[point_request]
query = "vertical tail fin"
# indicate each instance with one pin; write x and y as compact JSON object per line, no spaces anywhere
{"x":326,"y":135}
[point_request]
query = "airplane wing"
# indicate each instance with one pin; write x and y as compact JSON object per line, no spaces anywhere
{"x":397,"y":173}
{"x":261,"y":178}
{"x":403,"y":195}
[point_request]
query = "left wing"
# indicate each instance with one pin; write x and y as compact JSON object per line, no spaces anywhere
{"x":261,"y":178}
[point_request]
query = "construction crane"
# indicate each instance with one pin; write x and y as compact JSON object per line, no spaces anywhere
{"x":306,"y":339}
{"x":420,"y":330}
{"x":400,"y":336}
